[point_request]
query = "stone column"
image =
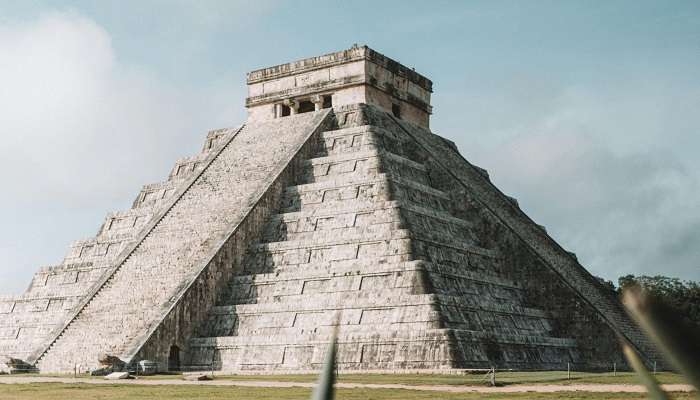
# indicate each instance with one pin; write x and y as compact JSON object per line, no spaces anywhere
{"x":278,"y":110}
{"x":318,"y":102}
{"x":293,"y":106}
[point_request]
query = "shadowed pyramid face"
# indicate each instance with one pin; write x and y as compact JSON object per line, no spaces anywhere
{"x":242,"y":259}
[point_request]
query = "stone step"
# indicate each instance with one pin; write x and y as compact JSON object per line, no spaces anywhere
{"x":412,"y":281}
{"x":328,"y":302}
{"x":411,"y":192}
{"x":37,"y":308}
{"x":286,"y":225}
{"x":376,"y":187}
{"x":217,"y":137}
{"x":410,"y":348}
{"x":126,"y":222}
{"x":270,"y":267}
{"x":351,"y":181}
{"x":389,"y":298}
{"x":187,"y":166}
{"x":350,"y":243}
{"x":308,"y":326}
{"x":351,"y":268}
{"x":365,"y":163}
{"x":424,"y":277}
{"x":365,"y":168}
{"x":368,"y":163}
{"x":295,"y":225}
{"x":344,"y":208}
{"x":156,"y":194}
{"x":390,"y":348}
{"x":98,"y":250}
{"x":299,"y":322}
{"x":269,"y":256}
{"x":320,"y":240}
{"x":331,"y":231}
{"x":158,"y":272}
{"x":65,"y":280}
{"x":347,"y":140}
{"x":486,"y":304}
{"x":467,"y":336}
{"x":286,"y":290}
{"x":294,"y":204}
{"x":239,"y":323}
{"x":324,"y":270}
{"x":392,"y":333}
{"x":330,"y":193}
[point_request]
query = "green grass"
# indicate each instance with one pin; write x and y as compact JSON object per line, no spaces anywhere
{"x":46,"y":391}
{"x":475,"y":379}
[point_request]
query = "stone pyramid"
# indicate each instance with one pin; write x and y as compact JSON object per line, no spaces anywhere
{"x":333,"y":204}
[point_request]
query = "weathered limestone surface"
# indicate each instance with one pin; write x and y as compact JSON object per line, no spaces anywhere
{"x":422,"y":275}
{"x":27,"y":321}
{"x":136,"y":298}
{"x":355,"y":75}
{"x":333,"y":203}
{"x":544,"y":252}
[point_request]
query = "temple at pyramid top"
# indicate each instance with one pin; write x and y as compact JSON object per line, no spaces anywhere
{"x":355,"y":75}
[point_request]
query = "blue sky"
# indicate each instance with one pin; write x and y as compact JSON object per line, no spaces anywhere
{"x":587,"y":112}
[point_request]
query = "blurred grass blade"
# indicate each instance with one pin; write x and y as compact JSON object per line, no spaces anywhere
{"x":679,"y":343}
{"x":326,"y":381}
{"x":653,"y":388}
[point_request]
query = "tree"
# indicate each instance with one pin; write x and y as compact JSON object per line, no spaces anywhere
{"x":682,"y":296}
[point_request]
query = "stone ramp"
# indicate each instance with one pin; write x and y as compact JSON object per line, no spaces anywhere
{"x":130,"y":305}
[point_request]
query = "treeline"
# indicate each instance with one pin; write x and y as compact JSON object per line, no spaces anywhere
{"x":681,"y":296}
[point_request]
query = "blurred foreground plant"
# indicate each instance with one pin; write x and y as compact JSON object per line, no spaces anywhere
{"x":326,"y":380}
{"x":678,"y":342}
{"x":636,"y":362}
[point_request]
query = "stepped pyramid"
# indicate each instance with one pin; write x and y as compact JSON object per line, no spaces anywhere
{"x":333,"y":204}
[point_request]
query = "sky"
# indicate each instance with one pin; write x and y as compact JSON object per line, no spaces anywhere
{"x":587,"y":112}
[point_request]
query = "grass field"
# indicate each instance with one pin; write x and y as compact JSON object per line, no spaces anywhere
{"x":46,"y":391}
{"x":480,"y":379}
{"x":476,"y":379}
{"x":80,"y":391}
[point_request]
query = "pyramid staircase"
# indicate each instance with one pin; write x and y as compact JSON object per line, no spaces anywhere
{"x":28,"y":321}
{"x":181,"y":253}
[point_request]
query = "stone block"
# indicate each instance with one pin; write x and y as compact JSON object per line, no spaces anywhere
{"x":117,"y":376}
{"x":197,"y":377}
{"x":147,"y":367}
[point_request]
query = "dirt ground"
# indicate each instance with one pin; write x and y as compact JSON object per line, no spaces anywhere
{"x":593,"y":388}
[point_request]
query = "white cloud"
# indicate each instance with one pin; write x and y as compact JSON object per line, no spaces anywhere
{"x":80,"y":133}
{"x":622,"y":208}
